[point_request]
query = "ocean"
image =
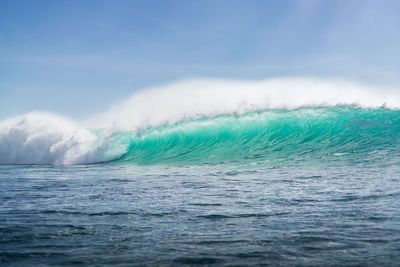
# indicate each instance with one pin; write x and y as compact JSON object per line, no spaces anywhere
{"x":311,"y":182}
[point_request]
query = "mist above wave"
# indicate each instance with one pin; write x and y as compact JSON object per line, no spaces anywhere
{"x":197,"y":98}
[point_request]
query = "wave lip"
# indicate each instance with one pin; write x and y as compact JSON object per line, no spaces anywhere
{"x":209,"y":98}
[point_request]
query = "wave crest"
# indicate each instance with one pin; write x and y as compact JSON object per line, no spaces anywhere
{"x":209,"y":98}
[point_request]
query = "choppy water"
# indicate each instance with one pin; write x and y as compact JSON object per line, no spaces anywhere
{"x":208,"y":214}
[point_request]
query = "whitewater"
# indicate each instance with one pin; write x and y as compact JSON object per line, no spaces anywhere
{"x":212,"y":121}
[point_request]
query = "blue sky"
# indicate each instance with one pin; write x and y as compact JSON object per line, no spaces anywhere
{"x":79,"y":57}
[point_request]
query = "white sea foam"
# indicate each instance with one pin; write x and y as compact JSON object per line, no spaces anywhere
{"x":44,"y":138}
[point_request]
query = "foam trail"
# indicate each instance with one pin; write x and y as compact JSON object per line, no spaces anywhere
{"x":44,"y":138}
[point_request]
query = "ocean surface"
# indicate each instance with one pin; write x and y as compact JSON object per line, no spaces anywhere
{"x":306,"y":183}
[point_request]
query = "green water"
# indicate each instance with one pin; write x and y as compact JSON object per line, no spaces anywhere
{"x":344,"y":133}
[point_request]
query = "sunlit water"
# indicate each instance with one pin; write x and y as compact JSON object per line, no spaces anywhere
{"x":123,"y":214}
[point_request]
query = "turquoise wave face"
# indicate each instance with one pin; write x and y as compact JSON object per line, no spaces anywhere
{"x":302,"y":135}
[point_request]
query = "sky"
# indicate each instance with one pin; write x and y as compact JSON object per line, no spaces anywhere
{"x":78,"y":57}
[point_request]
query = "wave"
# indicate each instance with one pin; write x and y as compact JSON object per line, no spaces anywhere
{"x":206,"y":121}
{"x":301,"y":134}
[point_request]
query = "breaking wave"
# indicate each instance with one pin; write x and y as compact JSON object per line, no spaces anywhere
{"x":214,"y":121}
